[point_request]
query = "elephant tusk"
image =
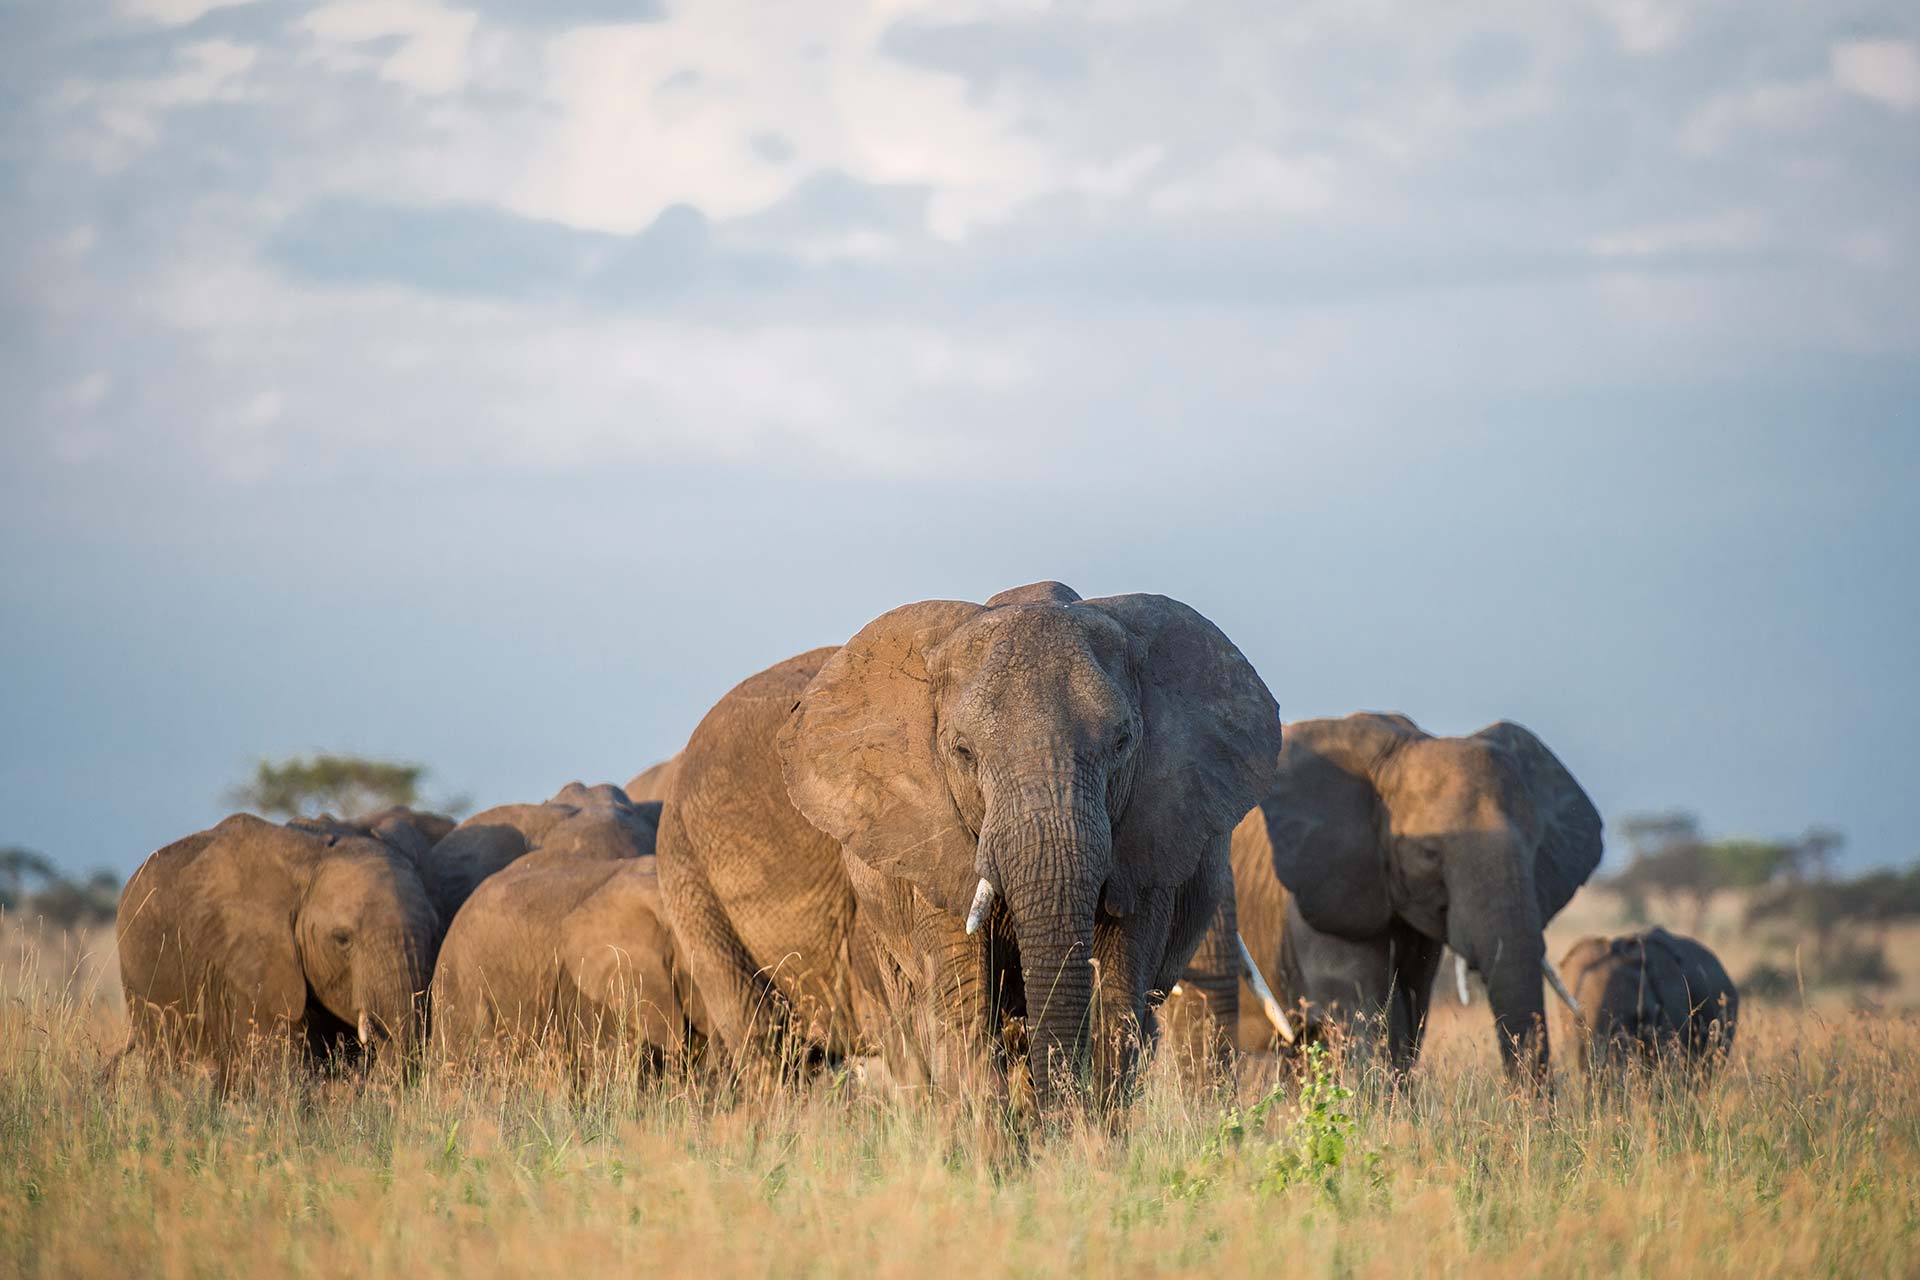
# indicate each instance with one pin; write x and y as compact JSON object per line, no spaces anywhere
{"x":1460,"y":978}
{"x":1559,"y":987}
{"x":1275,"y":1014}
{"x":982,"y":903}
{"x":365,"y":1028}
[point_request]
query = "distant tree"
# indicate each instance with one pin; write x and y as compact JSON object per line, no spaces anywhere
{"x":1684,"y":870}
{"x":1749,"y":864}
{"x":17,"y":867}
{"x":1824,"y":907}
{"x":1817,"y":850}
{"x":1648,"y":833}
{"x":74,"y":904}
{"x":346,"y":786}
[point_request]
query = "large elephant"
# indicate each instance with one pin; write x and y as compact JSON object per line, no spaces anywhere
{"x":594,"y":822}
{"x":1652,"y":994}
{"x":288,"y":933}
{"x":982,"y":810}
{"x":568,"y":949}
{"x":1378,"y":845}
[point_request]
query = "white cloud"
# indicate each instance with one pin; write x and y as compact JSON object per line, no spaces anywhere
{"x":1644,"y":26}
{"x":432,"y":56}
{"x":1887,"y":71}
{"x":1251,"y":181}
{"x":622,"y":141}
{"x":1735,"y":231}
{"x":175,"y":13}
{"x":1779,"y":108}
{"x":87,"y":393}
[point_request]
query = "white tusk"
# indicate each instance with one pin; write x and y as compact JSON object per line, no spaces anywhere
{"x":1275,"y":1014}
{"x":1559,"y":987}
{"x":1460,"y":978}
{"x":982,"y":903}
{"x":366,"y":1028}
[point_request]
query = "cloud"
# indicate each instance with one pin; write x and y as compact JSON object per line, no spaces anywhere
{"x":1250,"y":182}
{"x":1886,"y":71}
{"x":425,"y":44}
{"x":175,"y":13}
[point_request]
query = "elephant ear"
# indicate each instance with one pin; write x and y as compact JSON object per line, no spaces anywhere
{"x":241,"y":903}
{"x":1325,"y":818}
{"x":860,"y":762}
{"x":1570,"y":829}
{"x":1210,"y":732}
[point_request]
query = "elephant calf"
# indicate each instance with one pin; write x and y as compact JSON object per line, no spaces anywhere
{"x":1652,"y":995}
{"x":589,"y":822}
{"x":566,"y":951}
{"x":305,"y":934}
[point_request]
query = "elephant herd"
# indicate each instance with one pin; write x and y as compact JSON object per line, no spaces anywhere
{"x":1020,"y":836}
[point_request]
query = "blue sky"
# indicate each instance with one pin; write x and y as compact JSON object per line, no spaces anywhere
{"x":495,"y":385}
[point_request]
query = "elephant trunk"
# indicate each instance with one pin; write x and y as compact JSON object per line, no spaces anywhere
{"x":1497,"y":929}
{"x":389,"y":996}
{"x":1049,"y":844}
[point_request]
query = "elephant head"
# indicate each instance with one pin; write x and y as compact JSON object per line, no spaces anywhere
{"x":1476,"y":842}
{"x":253,"y":924}
{"x":1070,"y":758}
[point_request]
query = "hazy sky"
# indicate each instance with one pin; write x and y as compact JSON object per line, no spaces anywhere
{"x":493,"y":386}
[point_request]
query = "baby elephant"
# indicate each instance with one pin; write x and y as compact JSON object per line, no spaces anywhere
{"x":570,"y":952}
{"x":1650,"y":994}
{"x":311,"y":934}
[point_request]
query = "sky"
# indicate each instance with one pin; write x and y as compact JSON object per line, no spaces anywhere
{"x":493,"y":386}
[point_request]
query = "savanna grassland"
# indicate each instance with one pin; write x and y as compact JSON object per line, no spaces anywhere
{"x":1801,"y":1158}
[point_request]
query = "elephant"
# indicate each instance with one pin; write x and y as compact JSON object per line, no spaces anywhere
{"x":971,"y":813}
{"x":1652,"y":994}
{"x":321,"y":939}
{"x":413,"y":832}
{"x":654,"y":782}
{"x":595,"y":822}
{"x":1379,"y":844}
{"x":570,"y":949}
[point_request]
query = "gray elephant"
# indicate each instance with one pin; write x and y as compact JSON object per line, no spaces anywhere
{"x":1378,"y":845}
{"x":571,"y":950}
{"x":594,"y":822}
{"x":968,"y":812}
{"x":315,"y":938}
{"x":1650,"y":995}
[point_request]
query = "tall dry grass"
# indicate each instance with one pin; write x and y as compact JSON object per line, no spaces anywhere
{"x":1801,"y":1158}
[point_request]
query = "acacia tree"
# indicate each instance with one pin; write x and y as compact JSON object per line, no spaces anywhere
{"x":344,"y":785}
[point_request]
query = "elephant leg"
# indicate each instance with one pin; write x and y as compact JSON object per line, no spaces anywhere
{"x":745,"y":1009}
{"x":1202,"y":1021}
{"x":1415,"y":961}
{"x":1344,"y":985}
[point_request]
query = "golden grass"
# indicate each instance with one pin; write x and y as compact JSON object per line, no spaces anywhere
{"x":1801,"y":1158}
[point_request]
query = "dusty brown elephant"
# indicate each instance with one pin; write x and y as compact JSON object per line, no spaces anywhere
{"x":256,"y":930}
{"x":1378,"y":845}
{"x":568,"y":950}
{"x":413,"y":832}
{"x":983,"y":811}
{"x":594,"y":822}
{"x":652,"y":784}
{"x":1651,"y":995}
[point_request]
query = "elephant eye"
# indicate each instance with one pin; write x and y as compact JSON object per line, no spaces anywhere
{"x":1122,"y":740}
{"x":962,"y":752}
{"x":341,"y":937}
